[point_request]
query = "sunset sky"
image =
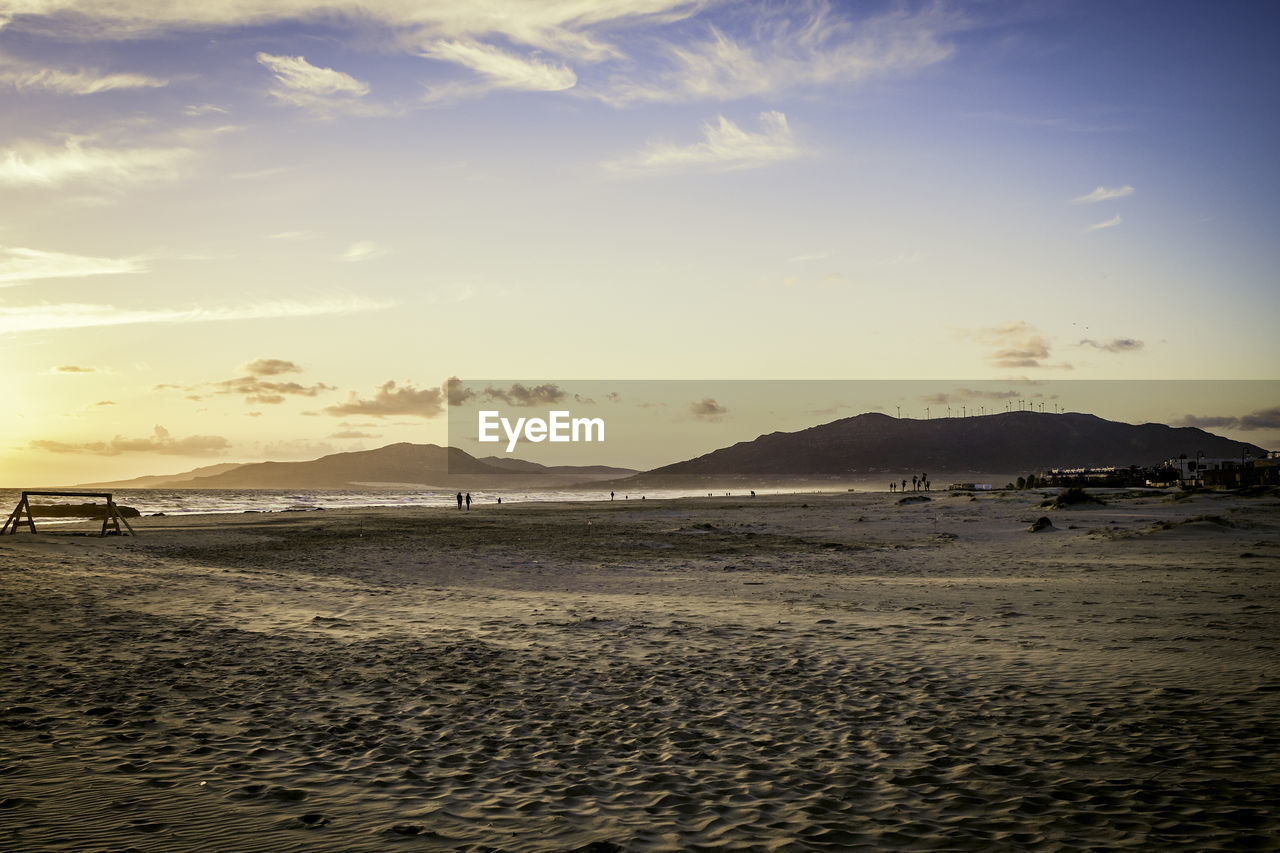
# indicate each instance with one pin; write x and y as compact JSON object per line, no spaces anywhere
{"x":236,"y":231}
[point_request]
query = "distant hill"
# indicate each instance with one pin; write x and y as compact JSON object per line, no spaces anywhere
{"x":164,"y":481}
{"x":871,"y":443}
{"x":394,"y":465}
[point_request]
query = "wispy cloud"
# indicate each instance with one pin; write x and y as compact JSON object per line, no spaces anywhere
{"x":352,"y":434}
{"x":18,"y":266}
{"x":42,"y":165}
{"x":259,"y":391}
{"x":499,"y":69}
{"x":725,"y":147}
{"x":1110,"y":223}
{"x":1104,"y":194}
{"x":160,"y":441}
{"x":321,"y":90}
{"x":566,"y":27}
{"x":791,"y":47}
{"x":1114,"y":345}
{"x":34,"y":318}
{"x":270,"y":391}
{"x":271,"y":367}
{"x":196,"y":110}
{"x":362,"y":250}
{"x":532,"y":46}
{"x":78,"y":82}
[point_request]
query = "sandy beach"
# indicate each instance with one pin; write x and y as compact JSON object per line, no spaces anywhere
{"x":784,"y":673}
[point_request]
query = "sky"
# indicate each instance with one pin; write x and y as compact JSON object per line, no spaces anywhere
{"x":235,"y":231}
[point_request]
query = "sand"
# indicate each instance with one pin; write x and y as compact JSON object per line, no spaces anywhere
{"x":784,"y":673}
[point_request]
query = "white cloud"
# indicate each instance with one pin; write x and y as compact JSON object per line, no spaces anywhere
{"x":362,"y":250}
{"x":297,"y":75}
{"x":39,"y":165}
{"x":160,"y":441}
{"x":751,"y":50}
{"x":787,"y":51}
{"x":1110,"y":223}
{"x":1104,"y":194}
{"x":195,"y":110}
{"x":500,"y":70}
{"x":725,"y":147}
{"x":33,"y":318}
{"x":563,"y":26}
{"x":22,"y":265}
{"x":80,"y":82}
{"x":302,"y":84}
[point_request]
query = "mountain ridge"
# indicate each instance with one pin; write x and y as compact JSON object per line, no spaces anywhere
{"x":396,"y":465}
{"x":873,"y":442}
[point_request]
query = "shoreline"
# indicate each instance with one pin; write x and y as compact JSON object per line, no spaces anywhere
{"x":525,"y":497}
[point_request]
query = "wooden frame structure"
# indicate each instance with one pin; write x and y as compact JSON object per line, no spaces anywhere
{"x":113,"y":518}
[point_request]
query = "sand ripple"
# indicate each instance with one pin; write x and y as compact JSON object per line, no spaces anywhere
{"x":437,"y":718}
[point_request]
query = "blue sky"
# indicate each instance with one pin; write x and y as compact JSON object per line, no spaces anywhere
{"x":362,"y":193}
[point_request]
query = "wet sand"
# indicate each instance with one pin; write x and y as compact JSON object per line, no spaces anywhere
{"x":837,"y":672}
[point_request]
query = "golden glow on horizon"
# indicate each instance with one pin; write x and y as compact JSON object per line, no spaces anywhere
{"x":654,"y":189}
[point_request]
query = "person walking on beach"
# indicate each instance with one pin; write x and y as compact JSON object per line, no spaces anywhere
{"x":610,"y":495}
{"x":459,"y":500}
{"x":468,"y":500}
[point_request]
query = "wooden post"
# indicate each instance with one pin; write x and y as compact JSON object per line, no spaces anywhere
{"x":15,"y":517}
{"x":115,"y":518}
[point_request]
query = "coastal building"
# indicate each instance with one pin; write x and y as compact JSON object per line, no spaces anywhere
{"x":1225,"y":471}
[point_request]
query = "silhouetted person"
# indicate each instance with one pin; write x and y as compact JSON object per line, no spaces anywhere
{"x":610,"y":495}
{"x":468,"y":500}
{"x":904,"y":485}
{"x":499,"y":498}
{"x":459,"y":500}
{"x":893,"y":487}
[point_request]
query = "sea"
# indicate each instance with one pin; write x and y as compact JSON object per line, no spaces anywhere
{"x":207,"y":501}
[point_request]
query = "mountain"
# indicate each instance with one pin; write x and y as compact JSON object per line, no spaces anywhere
{"x":164,"y":481}
{"x":402,"y":464}
{"x":1008,"y":442}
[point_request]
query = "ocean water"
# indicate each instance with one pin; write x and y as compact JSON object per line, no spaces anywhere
{"x":204,"y":501}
